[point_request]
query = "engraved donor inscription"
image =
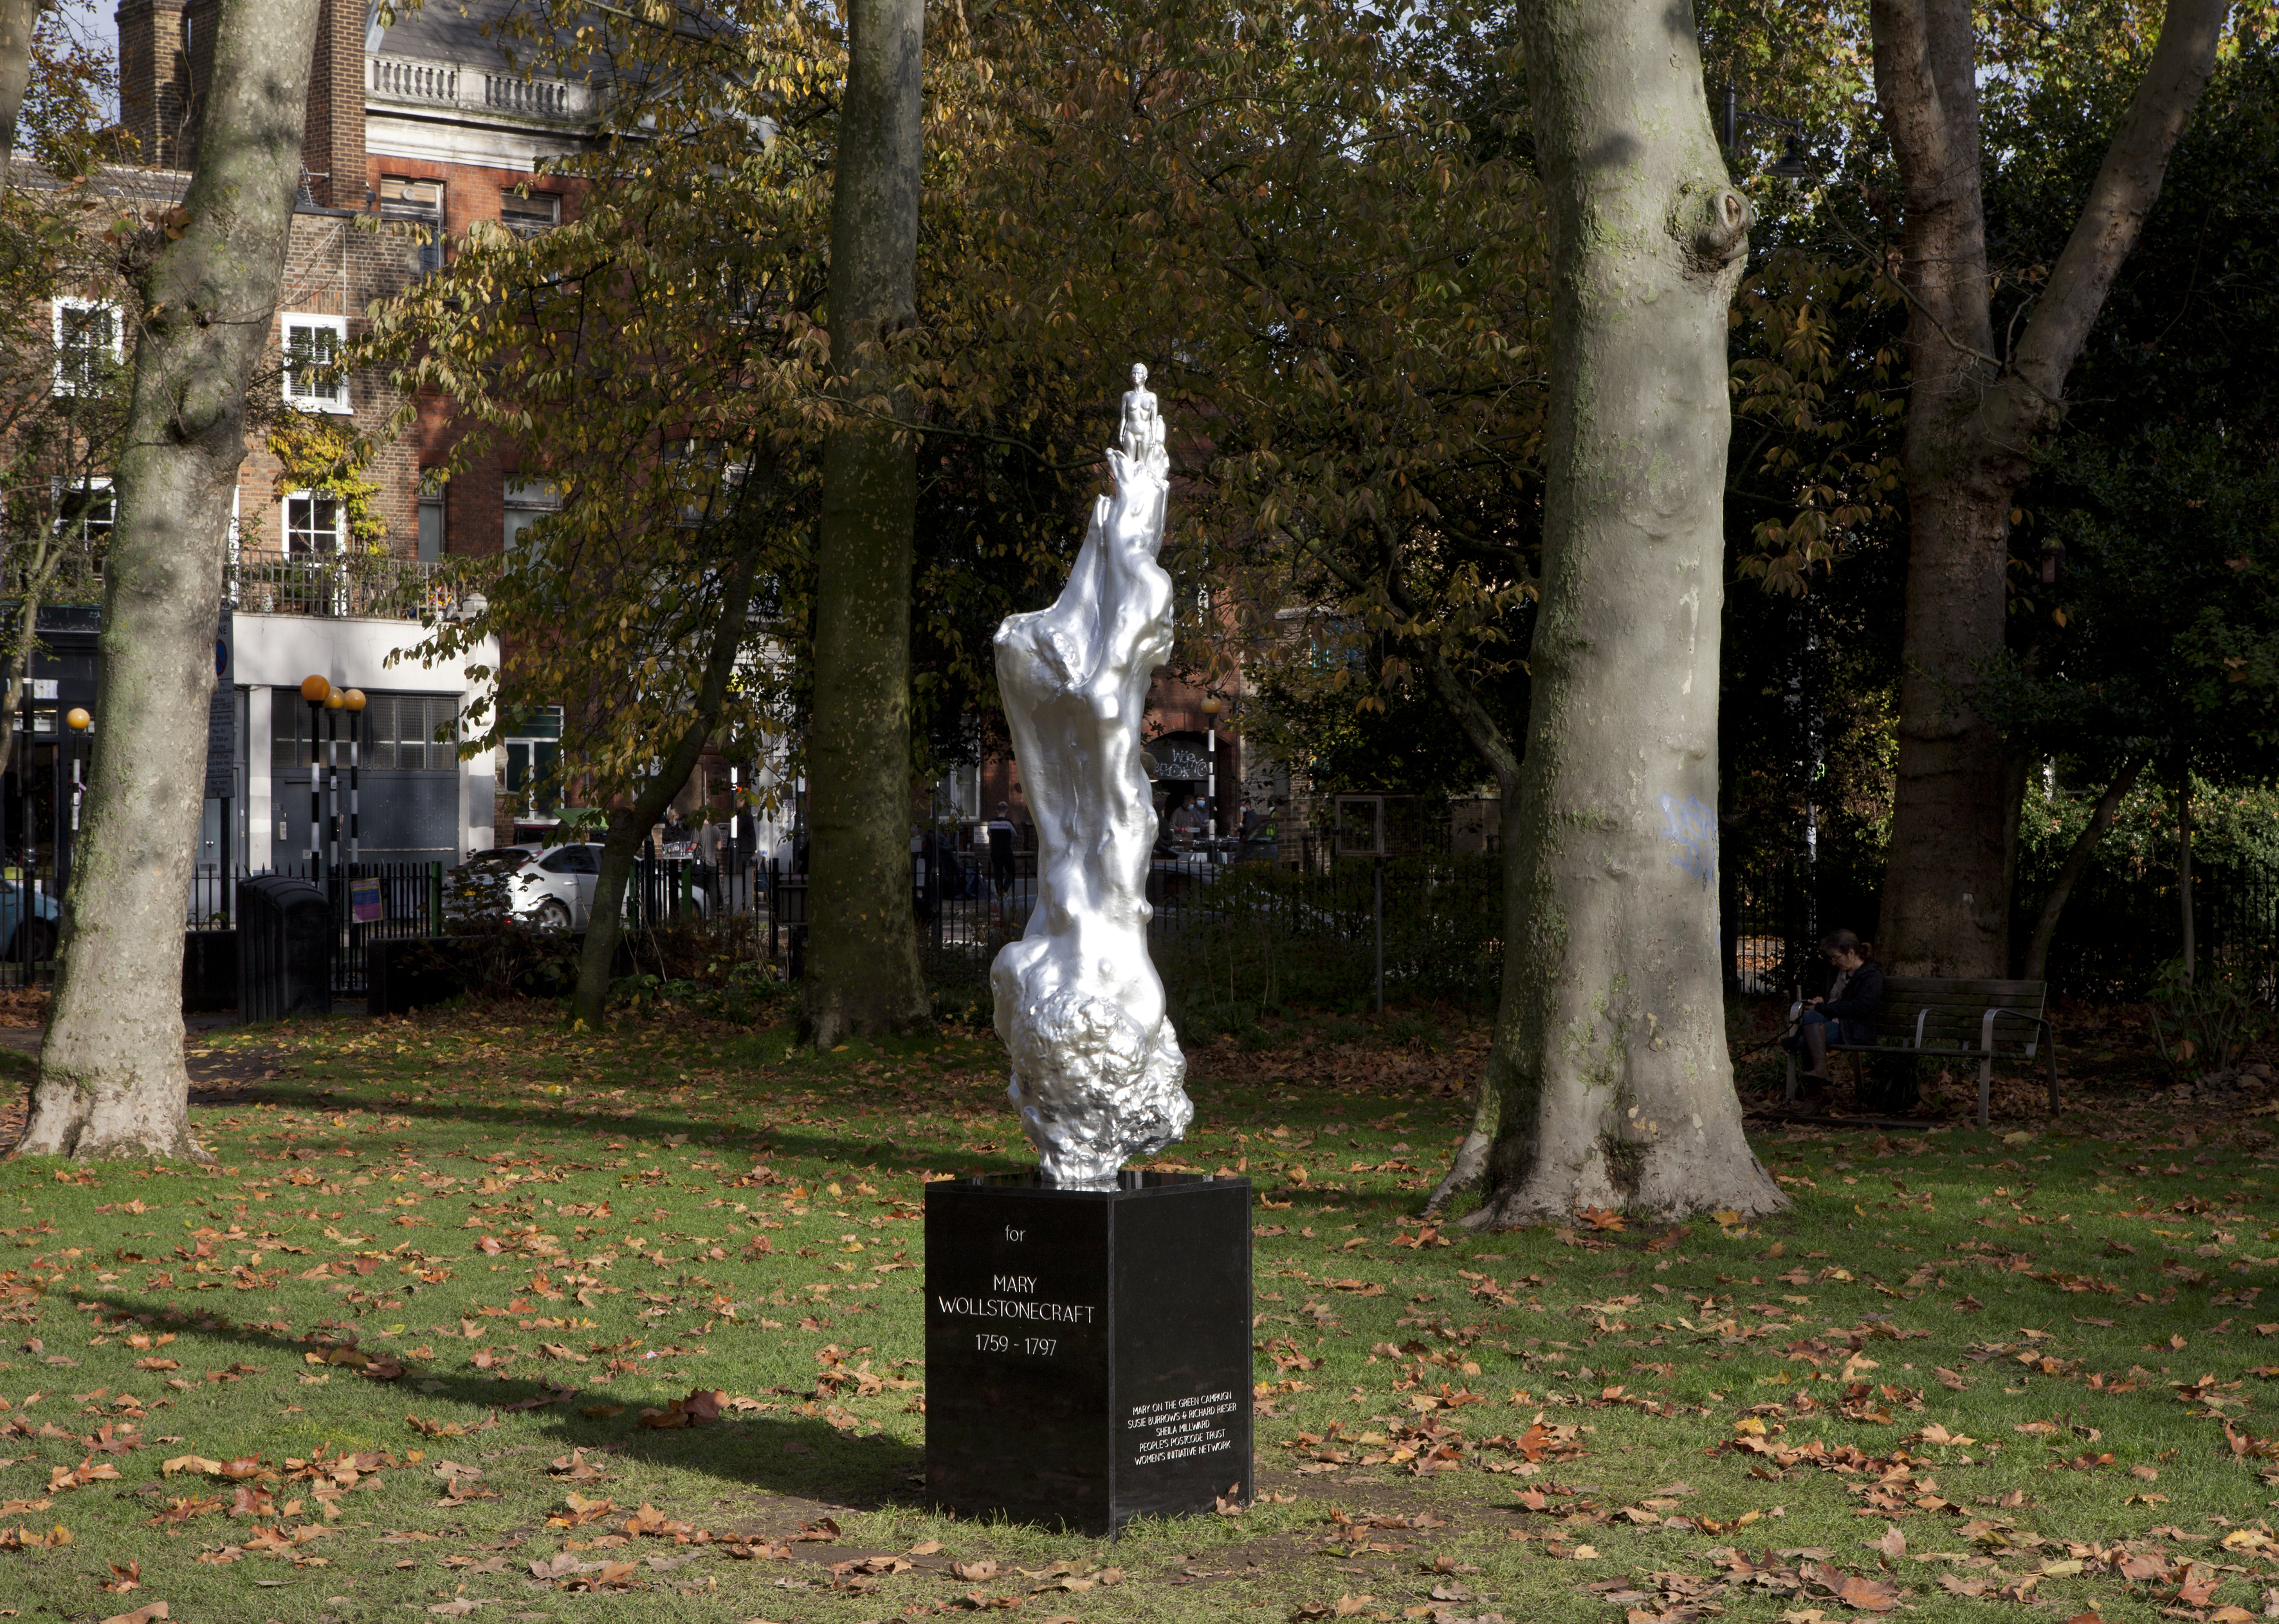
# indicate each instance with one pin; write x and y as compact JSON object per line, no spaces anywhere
{"x":1181,"y":1428}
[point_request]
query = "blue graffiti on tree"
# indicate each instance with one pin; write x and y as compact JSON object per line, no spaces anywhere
{"x":1692,"y":829}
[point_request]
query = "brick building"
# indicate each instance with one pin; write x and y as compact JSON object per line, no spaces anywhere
{"x":416,"y":131}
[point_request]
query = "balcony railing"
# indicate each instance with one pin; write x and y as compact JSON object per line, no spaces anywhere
{"x":400,"y":80}
{"x":359,"y":585}
{"x":447,"y":84}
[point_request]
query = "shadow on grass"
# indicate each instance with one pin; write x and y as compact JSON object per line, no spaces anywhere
{"x":654,"y":1127}
{"x":888,"y":1156}
{"x":787,"y":1454}
{"x":646,"y":1124}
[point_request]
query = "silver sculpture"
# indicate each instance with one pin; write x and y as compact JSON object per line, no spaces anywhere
{"x":1097,"y":1071}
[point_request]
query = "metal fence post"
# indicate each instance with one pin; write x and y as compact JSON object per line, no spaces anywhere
{"x":1377,"y":911}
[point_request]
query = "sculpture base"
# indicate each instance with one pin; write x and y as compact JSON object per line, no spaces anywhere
{"x":1087,"y":1351}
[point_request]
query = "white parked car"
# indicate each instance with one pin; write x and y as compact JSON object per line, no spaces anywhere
{"x":482,"y":887}
{"x":556,"y":892}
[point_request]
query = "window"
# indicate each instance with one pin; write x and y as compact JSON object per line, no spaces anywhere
{"x":312,"y":353}
{"x":89,"y":343}
{"x":1338,"y":644}
{"x":289,"y":743}
{"x":421,"y":203}
{"x":571,"y":859}
{"x":431,"y":514}
{"x":84,"y":512}
{"x":529,"y":215}
{"x":527,"y":501}
{"x":402,"y":728}
{"x":313,"y":524}
{"x":396,"y":734}
{"x":533,"y":758}
{"x":437,"y":714}
{"x":534,"y":774}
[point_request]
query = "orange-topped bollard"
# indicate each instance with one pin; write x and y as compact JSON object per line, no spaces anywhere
{"x":354,"y":699}
{"x":315,"y":691}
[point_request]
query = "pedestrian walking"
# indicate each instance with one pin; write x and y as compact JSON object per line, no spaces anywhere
{"x":1002,"y":837}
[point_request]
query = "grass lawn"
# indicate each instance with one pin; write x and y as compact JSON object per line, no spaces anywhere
{"x":394,"y":1354}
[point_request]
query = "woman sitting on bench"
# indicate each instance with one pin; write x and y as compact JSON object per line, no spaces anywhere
{"x":1847,"y":1013}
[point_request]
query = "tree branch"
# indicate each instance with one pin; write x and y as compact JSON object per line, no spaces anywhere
{"x":2108,"y":807}
{"x":1485,"y":732}
{"x":1937,"y":164}
{"x":2128,"y":183}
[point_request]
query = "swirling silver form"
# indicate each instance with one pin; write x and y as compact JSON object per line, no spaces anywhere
{"x":1097,"y":1072}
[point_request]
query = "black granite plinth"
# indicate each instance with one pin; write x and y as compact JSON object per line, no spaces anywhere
{"x":1087,"y":1352}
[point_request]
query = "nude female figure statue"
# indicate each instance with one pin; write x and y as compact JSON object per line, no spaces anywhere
{"x":1140,"y":436}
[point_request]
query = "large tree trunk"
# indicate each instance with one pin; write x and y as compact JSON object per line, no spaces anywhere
{"x":589,"y":1003}
{"x":1972,"y":419}
{"x":112,"y":1079}
{"x":862,"y":973}
{"x":2037,"y":966}
{"x":17,"y":19}
{"x":1615,"y":1086}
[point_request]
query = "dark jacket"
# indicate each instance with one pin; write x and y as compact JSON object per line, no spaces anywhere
{"x":1862,"y":994}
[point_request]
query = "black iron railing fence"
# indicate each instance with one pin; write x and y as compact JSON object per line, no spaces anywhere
{"x":374,"y":901}
{"x":2118,"y":928}
{"x":1256,"y":934}
{"x":1286,"y":926}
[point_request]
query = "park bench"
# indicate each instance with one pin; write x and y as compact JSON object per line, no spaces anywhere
{"x":1922,"y":1017}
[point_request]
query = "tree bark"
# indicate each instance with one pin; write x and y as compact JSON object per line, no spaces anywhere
{"x":1973,"y":421}
{"x":862,"y":973}
{"x":112,"y":1077}
{"x":2037,"y":966}
{"x":17,"y":19}
{"x":1617,"y":1091}
{"x":589,"y":1003}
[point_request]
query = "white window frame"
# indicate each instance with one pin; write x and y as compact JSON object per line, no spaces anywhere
{"x":338,"y":404}
{"x":339,"y":524}
{"x":64,"y":384}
